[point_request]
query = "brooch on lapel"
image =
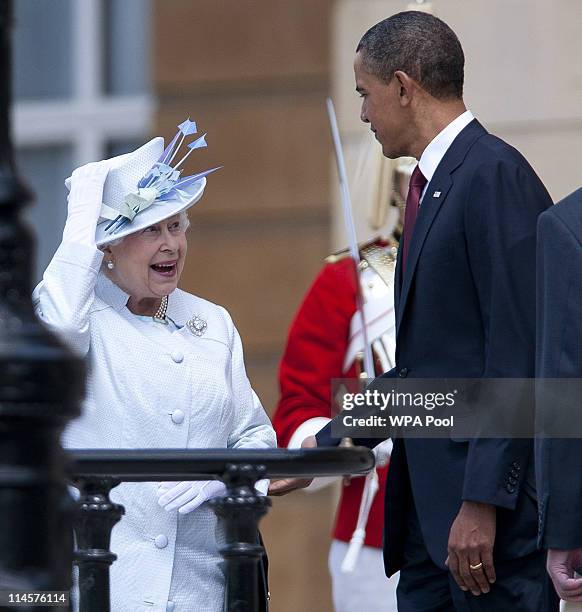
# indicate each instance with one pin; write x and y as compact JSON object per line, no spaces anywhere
{"x":197,"y":325}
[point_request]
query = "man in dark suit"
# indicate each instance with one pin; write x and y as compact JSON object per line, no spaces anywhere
{"x":461,"y":518}
{"x":559,"y":355}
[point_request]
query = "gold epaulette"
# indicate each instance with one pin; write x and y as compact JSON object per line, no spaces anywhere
{"x":363,"y":247}
{"x":382,"y":259}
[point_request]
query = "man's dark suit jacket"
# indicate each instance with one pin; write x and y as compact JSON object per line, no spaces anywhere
{"x":465,"y":308}
{"x":559,"y":355}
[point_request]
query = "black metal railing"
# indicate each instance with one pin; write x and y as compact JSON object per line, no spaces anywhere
{"x":96,"y":472}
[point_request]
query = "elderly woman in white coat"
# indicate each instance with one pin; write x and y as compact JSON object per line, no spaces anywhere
{"x":166,"y":367}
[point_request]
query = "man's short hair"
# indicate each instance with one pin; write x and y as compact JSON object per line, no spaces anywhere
{"x":421,"y":45}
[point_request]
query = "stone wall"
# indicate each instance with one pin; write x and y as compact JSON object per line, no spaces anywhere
{"x":254,"y":74}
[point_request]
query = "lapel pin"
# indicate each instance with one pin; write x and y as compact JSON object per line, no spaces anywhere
{"x":436,"y":194}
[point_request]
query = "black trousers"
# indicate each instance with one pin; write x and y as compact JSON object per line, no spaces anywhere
{"x":522,"y":584}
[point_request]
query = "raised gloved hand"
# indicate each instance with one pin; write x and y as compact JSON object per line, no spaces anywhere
{"x":85,"y":199}
{"x":186,"y":496}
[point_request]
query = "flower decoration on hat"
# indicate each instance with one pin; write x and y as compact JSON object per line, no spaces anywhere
{"x":164,"y":180}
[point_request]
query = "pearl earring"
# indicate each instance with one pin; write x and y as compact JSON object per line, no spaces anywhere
{"x":110,"y":264}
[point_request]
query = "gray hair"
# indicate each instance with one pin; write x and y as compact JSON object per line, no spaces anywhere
{"x":184,"y":219}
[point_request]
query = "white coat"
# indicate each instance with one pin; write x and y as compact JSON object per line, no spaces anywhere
{"x":144,"y":390}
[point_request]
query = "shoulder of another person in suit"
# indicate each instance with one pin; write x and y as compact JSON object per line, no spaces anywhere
{"x":569,"y":207}
{"x":567,"y":214}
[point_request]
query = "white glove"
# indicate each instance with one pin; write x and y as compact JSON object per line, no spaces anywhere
{"x":85,"y":199}
{"x":189,"y":495}
{"x":186,"y":496}
{"x":382,"y":452}
{"x":262,"y":486}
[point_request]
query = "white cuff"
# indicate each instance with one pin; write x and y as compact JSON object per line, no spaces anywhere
{"x":306,"y":429}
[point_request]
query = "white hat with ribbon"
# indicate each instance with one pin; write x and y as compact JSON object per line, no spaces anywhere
{"x":146,"y":186}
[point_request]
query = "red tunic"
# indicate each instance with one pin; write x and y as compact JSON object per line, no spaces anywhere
{"x":314,"y":355}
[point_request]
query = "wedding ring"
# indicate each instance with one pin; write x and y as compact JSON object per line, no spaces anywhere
{"x":474,"y":568}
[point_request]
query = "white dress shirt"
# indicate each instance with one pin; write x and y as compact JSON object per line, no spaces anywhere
{"x":433,"y":154}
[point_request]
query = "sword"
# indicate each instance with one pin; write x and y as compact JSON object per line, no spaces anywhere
{"x":351,"y":231}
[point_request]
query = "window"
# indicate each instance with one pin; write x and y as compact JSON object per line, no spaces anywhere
{"x":81,"y":79}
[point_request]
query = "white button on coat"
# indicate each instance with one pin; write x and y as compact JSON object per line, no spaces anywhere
{"x":161,"y":541}
{"x":170,"y":606}
{"x":90,"y":314}
{"x":178,"y":356}
{"x":178,"y":416}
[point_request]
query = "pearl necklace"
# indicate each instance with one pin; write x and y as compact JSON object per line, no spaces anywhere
{"x":160,"y":316}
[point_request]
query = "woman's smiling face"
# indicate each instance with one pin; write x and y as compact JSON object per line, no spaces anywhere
{"x":149,"y":263}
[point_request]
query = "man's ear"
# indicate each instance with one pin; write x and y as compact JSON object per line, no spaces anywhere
{"x":406,"y":87}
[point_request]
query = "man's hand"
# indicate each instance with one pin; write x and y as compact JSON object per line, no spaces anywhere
{"x":286,"y":485}
{"x":562,"y":566}
{"x":471,"y":544}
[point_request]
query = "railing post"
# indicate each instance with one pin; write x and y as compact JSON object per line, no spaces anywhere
{"x":241,"y":509}
{"x":41,"y":385}
{"x":94,"y":520}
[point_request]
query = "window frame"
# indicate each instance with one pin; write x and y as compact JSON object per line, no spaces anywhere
{"x":91,"y":118}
